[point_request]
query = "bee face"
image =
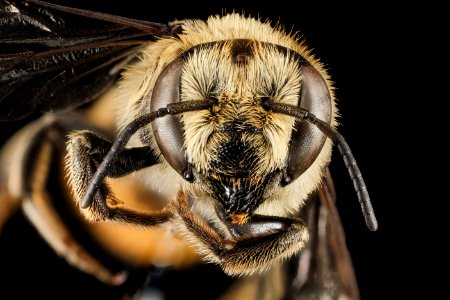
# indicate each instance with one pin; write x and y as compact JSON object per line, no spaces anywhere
{"x":238,"y":150}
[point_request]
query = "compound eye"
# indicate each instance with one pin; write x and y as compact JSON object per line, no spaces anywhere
{"x":307,"y":140}
{"x":168,"y":131}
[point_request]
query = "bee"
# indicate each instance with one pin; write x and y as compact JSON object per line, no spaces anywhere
{"x":223,"y":128}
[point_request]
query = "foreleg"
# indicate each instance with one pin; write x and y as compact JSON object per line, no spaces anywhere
{"x":253,"y":246}
{"x":86,"y":150}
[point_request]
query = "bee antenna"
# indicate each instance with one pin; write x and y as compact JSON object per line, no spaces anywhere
{"x":346,"y":153}
{"x":125,"y":134}
{"x":352,"y":167}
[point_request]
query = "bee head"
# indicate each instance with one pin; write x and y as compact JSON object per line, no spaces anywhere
{"x":239,"y":151}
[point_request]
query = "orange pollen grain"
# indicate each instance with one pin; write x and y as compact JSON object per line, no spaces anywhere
{"x":239,"y":218}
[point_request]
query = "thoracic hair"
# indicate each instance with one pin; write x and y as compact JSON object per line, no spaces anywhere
{"x":211,"y":72}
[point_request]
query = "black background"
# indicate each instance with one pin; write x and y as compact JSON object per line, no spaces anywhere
{"x":376,"y":56}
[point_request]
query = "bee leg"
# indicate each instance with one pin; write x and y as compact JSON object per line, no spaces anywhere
{"x":86,"y":150}
{"x":252,"y":247}
{"x":31,"y":177}
{"x":9,"y":200}
{"x":9,"y":204}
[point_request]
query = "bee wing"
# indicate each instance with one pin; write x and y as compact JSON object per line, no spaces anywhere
{"x":56,"y":58}
{"x":324,"y":269}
